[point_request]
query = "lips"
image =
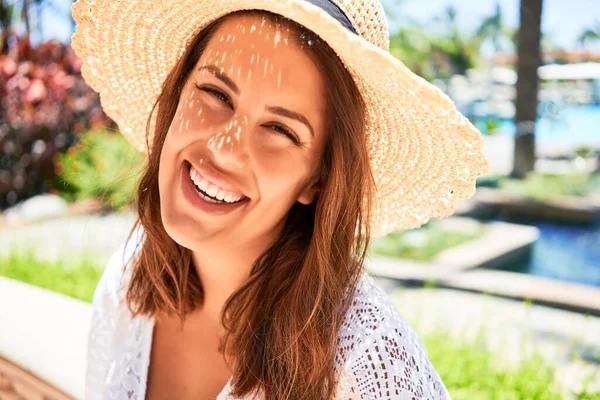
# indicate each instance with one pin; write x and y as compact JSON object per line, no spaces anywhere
{"x":212,"y":190}
{"x":204,"y":202}
{"x":216,"y":189}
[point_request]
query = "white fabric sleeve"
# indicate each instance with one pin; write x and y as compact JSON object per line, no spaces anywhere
{"x":381,"y":356}
{"x":109,"y":321}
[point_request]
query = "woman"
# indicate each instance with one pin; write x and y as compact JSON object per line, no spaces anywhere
{"x":280,"y":137}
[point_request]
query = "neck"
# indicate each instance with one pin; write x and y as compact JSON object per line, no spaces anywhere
{"x":224,"y":267}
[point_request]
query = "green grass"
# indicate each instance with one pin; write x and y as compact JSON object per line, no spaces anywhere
{"x":545,"y":187}
{"x":471,"y":371}
{"x":420,"y":245}
{"x":77,"y":279}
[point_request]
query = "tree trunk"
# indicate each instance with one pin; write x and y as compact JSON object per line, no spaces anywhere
{"x":529,"y":59}
{"x":25,"y":16}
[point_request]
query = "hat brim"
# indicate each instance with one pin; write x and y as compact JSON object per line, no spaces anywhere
{"x":424,"y":154}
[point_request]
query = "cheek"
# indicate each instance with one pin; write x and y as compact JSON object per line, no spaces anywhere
{"x":189,"y":118}
{"x":189,"y":112}
{"x":165,"y":167}
{"x":281,"y":173}
{"x":168,"y":160}
{"x":198,"y":112}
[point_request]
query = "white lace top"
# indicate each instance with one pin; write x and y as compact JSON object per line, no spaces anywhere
{"x":379,"y":356}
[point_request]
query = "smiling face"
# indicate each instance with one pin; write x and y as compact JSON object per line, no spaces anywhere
{"x":250,"y":130}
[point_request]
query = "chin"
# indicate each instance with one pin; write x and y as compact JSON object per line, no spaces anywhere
{"x":180,"y":227}
{"x":182,"y":232}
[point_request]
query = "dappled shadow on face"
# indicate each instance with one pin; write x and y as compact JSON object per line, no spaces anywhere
{"x":251,"y":67}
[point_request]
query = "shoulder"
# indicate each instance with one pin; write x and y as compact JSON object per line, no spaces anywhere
{"x":380,"y":354}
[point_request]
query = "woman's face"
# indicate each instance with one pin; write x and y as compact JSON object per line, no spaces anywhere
{"x":249,"y":129}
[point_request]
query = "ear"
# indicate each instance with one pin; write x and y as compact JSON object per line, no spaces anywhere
{"x":310,"y":193}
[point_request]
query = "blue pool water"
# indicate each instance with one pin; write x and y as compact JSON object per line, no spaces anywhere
{"x":571,"y":125}
{"x":565,"y":252}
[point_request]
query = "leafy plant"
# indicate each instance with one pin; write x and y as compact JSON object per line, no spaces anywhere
{"x":492,"y":125}
{"x":44,"y":105}
{"x":584,"y":151}
{"x":102,"y":165}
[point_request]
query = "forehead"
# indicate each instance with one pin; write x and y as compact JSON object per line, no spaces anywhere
{"x":255,"y":26}
{"x":258,"y":53}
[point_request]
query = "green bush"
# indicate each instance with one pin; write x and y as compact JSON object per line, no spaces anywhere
{"x":492,"y":125}
{"x":584,"y":151}
{"x":490,"y":180}
{"x":102,"y":165}
{"x":420,"y":245}
{"x":74,"y":278}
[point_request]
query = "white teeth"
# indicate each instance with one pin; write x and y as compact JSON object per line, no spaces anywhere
{"x":230,"y":199}
{"x":213,"y":190}
{"x":220,"y":194}
{"x":203,"y":184}
{"x":207,"y":199}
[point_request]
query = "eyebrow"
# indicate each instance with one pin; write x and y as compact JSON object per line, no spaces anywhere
{"x":292,"y":115}
{"x":216,"y":71}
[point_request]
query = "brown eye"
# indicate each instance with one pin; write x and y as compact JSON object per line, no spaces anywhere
{"x":218,"y":94}
{"x":286,"y":132}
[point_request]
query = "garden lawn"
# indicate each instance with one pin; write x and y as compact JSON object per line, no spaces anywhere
{"x":471,"y":371}
{"x":76,"y":279}
{"x":545,"y":187}
{"x":422,"y":244}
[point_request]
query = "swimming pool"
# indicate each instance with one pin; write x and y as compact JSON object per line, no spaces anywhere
{"x":571,"y":125}
{"x":565,"y":252}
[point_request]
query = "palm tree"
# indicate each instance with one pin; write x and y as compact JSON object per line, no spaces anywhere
{"x":590,"y":35}
{"x":27,"y":7}
{"x":412,"y":46}
{"x":7,"y":14}
{"x":529,"y":59}
{"x":493,"y":28}
{"x":461,"y":51}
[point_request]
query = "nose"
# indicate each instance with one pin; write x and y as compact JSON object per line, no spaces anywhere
{"x":229,"y":145}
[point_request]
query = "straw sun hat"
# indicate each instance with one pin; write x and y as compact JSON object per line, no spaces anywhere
{"x":424,"y":154}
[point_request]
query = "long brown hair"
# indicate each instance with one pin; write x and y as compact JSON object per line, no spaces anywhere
{"x":282,"y":325}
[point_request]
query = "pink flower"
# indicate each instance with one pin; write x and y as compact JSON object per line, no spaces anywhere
{"x":60,"y":82}
{"x":35,"y":92}
{"x":23,"y":83}
{"x":9,"y":66}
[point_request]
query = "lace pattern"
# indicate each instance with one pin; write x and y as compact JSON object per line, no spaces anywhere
{"x":382,"y":356}
{"x":128,"y":379}
{"x":379,"y":355}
